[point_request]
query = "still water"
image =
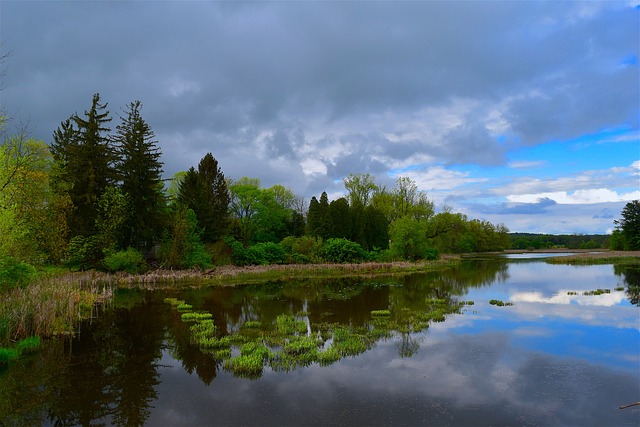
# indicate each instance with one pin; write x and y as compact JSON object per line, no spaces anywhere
{"x":427,"y":349}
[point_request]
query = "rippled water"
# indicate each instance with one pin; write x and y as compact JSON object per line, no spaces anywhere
{"x":560,"y":355}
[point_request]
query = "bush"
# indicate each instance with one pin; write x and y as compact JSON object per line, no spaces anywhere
{"x":272,"y":253}
{"x":14,"y":273}
{"x":129,"y":260}
{"x":258,"y":254}
{"x":302,"y":250}
{"x":85,"y":252}
{"x":342,"y":251}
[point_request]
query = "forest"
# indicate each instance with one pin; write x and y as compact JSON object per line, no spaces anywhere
{"x":95,"y":198}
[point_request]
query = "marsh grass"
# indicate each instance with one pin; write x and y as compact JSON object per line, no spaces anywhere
{"x":51,"y":305}
{"x":589,"y":258}
{"x":23,"y":347}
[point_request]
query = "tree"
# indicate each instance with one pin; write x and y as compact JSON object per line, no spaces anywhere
{"x":183,"y":247}
{"x":140,"y":171}
{"x":245,"y":198}
{"x":361,"y":188}
{"x":376,"y":229}
{"x":87,"y":160}
{"x":206,"y":192}
{"x":629,"y":225}
{"x":409,"y":239}
{"x":213,"y":214}
{"x":405,"y":199}
{"x":32,"y":215}
{"x":340,"y":218}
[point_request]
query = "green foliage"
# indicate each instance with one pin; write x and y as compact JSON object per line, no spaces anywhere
{"x":302,"y":250}
{"x":183,"y":247}
{"x":629,"y":225}
{"x":258,"y":254}
{"x":24,"y":346}
{"x":205,"y":191}
{"x":409,"y":240}
{"x":84,"y":253}
{"x":342,"y":251}
{"x":527,"y":241}
{"x":86,"y":156}
{"x":130,"y":260}
{"x":28,"y":345}
{"x":140,"y":170}
{"x":14,"y":273}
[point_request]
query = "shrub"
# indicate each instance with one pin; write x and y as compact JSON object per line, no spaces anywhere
{"x":342,"y":251}
{"x":302,"y":250}
{"x":14,"y":273}
{"x":271,"y":252}
{"x":258,"y":254}
{"x":129,"y":260}
{"x":84,"y":253}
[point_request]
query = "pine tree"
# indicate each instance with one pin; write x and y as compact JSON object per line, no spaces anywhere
{"x":214,"y":213}
{"x":340,"y":218}
{"x":140,"y":171}
{"x":205,"y":191}
{"x":87,"y":159}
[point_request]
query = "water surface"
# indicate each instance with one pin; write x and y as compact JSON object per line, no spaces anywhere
{"x":560,"y":355}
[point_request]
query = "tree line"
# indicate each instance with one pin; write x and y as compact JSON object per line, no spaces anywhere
{"x":95,"y":198}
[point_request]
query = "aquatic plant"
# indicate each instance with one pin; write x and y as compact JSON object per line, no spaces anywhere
{"x":288,"y":325}
{"x":28,"y":345}
{"x":380,"y":313}
{"x":246,"y":365}
{"x":184,"y":307}
{"x":252,"y":324}
{"x":194,"y":317}
{"x":500,"y":303}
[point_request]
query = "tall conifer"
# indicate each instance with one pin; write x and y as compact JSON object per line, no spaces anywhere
{"x":140,"y":171}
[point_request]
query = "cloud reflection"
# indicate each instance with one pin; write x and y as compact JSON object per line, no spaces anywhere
{"x":464,"y":380}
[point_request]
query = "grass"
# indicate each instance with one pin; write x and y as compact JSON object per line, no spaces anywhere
{"x":51,"y":305}
{"x":26,"y":346}
{"x":606,"y":257}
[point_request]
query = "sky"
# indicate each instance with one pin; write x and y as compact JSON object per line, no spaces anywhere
{"x":519,"y":113}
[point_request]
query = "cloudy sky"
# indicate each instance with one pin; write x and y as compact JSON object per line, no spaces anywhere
{"x":521,"y":113}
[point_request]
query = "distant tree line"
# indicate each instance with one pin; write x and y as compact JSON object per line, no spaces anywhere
{"x":550,"y":241}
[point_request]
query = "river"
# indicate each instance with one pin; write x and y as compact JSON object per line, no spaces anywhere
{"x":496,"y":341}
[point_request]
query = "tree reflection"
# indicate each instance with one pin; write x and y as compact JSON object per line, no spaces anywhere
{"x":630,"y":276}
{"x":110,"y":373}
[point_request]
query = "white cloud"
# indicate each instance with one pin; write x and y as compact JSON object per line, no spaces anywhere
{"x":589,"y":196}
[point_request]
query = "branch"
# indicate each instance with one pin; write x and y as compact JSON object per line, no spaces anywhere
{"x":628,"y":406}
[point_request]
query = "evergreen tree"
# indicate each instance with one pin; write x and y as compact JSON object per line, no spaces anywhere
{"x":205,"y":191}
{"x":87,"y":157}
{"x":629,"y":225}
{"x":213,"y":215}
{"x":340,"y":218}
{"x":376,"y":229}
{"x":325,"y":219}
{"x":140,"y":170}
{"x":313,"y":217}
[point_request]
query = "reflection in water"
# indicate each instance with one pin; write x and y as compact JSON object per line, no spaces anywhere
{"x":630,"y":276}
{"x":541,"y":362}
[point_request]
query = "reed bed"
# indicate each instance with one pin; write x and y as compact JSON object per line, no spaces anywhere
{"x":233,"y":275}
{"x":591,"y":258}
{"x":52,"y":305}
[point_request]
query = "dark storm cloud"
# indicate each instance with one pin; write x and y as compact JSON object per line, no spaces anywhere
{"x":268,"y":86}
